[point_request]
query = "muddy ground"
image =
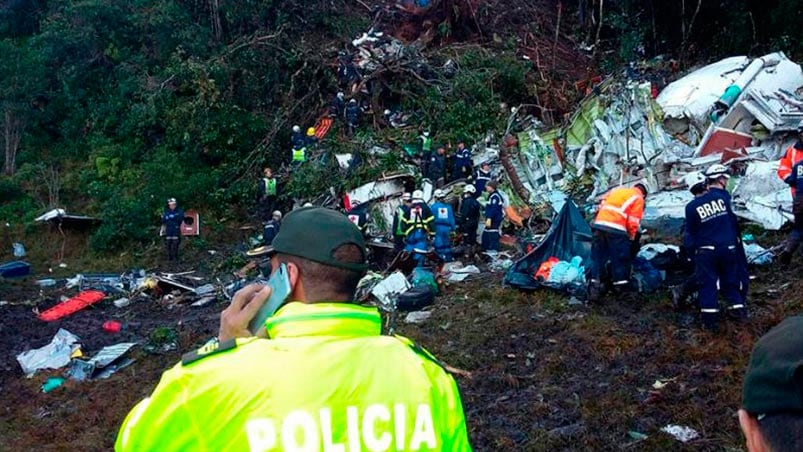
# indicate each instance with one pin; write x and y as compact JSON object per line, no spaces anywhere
{"x":545,"y":375}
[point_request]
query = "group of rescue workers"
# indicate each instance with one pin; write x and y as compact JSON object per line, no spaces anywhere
{"x":711,"y":241}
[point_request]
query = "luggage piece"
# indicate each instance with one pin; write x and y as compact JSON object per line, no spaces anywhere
{"x":415,"y":299}
{"x":73,"y":305}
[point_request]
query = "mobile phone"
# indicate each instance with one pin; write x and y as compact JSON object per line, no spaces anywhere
{"x":279,"y":283}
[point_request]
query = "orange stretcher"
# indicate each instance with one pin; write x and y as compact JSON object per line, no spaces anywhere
{"x":73,"y":305}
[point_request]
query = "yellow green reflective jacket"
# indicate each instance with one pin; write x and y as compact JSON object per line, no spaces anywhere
{"x":326,"y":380}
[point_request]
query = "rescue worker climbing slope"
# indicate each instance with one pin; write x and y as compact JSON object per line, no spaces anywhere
{"x":398,"y":222}
{"x":298,"y":141}
{"x":711,"y":230}
{"x":444,"y":226}
{"x":795,"y":180}
{"x":615,"y":228}
{"x":793,"y":155}
{"x":418,"y":227}
{"x":268,"y":190}
{"x":493,"y":217}
{"x":469,"y":218}
{"x":326,"y":379}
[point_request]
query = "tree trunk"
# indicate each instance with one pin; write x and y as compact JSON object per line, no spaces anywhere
{"x":599,"y":27}
{"x":214,"y":11}
{"x":12,"y":129}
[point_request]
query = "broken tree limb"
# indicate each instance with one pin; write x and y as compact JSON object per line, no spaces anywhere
{"x":504,"y":155}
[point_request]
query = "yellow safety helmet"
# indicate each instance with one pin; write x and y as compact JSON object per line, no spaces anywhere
{"x":311,"y":131}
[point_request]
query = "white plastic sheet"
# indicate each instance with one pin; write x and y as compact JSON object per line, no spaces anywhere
{"x":54,"y":355}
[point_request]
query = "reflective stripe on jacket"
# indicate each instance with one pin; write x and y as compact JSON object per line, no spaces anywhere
{"x":621,"y":211}
{"x":326,"y":380}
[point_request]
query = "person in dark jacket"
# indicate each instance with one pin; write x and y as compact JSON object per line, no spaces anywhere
{"x":712,"y":232}
{"x":795,"y":180}
{"x":481,"y":177}
{"x":494,"y":214}
{"x":337,"y":108}
{"x":272,"y":228}
{"x":697,"y":186}
{"x":462,"y":162}
{"x":172,"y":217}
{"x":353,"y":114}
{"x":436,"y":172}
{"x":468,"y":219}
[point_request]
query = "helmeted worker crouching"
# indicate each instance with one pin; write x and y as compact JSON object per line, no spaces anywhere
{"x":615,"y":229}
{"x":712,"y":232}
{"x":444,"y":226}
{"x":318,"y":375}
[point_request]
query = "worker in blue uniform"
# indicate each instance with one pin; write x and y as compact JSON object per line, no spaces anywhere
{"x":711,"y":231}
{"x":481,"y":177}
{"x":444,"y":226}
{"x":493,"y":217}
{"x":462,"y":162}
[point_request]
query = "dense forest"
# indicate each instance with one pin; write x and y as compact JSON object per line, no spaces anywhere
{"x":110,"y":106}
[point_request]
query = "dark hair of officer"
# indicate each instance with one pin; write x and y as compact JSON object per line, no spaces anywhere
{"x":324,"y":283}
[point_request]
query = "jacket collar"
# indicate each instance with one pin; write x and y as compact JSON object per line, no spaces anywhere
{"x":297,"y":319}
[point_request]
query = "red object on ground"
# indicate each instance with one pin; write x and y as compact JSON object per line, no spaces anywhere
{"x":72,"y":305}
{"x":112,"y":326}
{"x":545,"y":269}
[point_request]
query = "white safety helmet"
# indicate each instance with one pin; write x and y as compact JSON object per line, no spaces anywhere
{"x":296,"y":128}
{"x":716,"y":171}
{"x":438,"y":193}
{"x":406,"y":196}
{"x":386,"y":112}
{"x":426,"y":133}
{"x":694,"y":179}
{"x":800,"y":126}
{"x":340,"y":95}
{"x":418,"y":195}
{"x":469,"y":189}
{"x":277,"y":215}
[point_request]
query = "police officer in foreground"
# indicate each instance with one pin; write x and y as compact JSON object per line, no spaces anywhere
{"x":712,"y":234}
{"x":771,"y":416}
{"x":323,"y":379}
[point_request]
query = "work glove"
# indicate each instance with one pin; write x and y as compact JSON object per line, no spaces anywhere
{"x":488,"y":223}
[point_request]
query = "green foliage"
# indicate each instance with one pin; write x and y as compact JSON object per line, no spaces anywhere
{"x":125,"y":220}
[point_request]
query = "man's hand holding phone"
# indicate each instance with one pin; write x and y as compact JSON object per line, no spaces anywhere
{"x":244,"y":306}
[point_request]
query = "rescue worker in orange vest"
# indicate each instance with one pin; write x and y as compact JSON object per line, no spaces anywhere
{"x":615,"y":229}
{"x":794,"y":154}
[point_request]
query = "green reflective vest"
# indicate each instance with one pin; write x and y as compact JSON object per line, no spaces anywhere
{"x":270,"y":186}
{"x":426,"y":143}
{"x":298,"y":155}
{"x":326,"y":380}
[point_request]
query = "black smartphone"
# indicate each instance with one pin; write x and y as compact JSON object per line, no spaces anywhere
{"x":279,"y":283}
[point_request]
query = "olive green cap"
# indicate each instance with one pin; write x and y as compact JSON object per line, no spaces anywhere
{"x":774,"y":379}
{"x":315,"y":233}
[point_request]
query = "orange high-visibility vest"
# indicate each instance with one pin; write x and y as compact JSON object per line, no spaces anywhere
{"x":792,"y":156}
{"x":621,"y":211}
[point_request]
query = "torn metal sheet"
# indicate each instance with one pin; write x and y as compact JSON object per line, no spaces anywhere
{"x":103,"y":364}
{"x":388,"y":187}
{"x":687,"y":101}
{"x":760,"y":196}
{"x":54,"y":355}
{"x":391,"y":287}
{"x":761,"y":103}
{"x":60,"y":216}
